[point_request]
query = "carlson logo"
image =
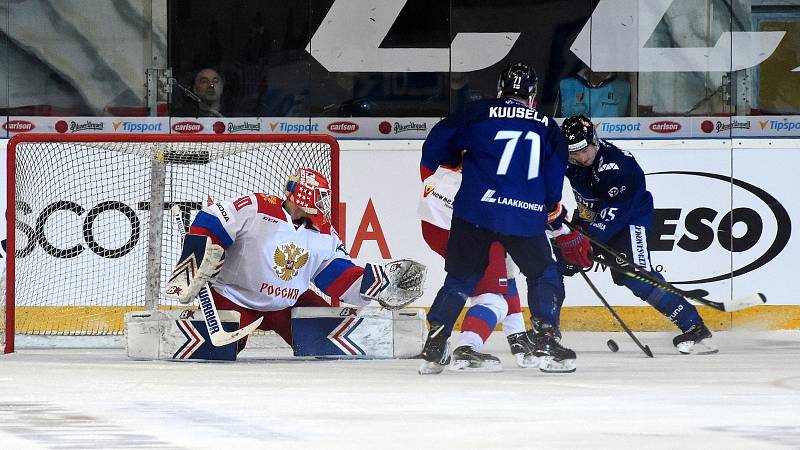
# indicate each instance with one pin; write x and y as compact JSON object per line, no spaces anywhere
{"x":343,"y":127}
{"x":187,"y":127}
{"x":665,"y":126}
{"x":756,"y":230}
{"x":18,"y":126}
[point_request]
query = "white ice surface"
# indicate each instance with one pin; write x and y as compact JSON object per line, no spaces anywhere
{"x":747,"y":396}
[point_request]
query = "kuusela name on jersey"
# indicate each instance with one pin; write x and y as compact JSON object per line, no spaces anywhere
{"x":517,"y":112}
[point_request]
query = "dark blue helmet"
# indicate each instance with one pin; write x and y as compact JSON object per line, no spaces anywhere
{"x":579,"y":132}
{"x":518,"y":79}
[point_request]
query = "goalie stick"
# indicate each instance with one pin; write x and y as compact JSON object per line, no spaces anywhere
{"x":219,"y":337}
{"x":640,"y":273}
{"x":645,"y":348}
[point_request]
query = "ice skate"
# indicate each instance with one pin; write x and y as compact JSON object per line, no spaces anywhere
{"x":536,"y":325}
{"x":523,"y":351}
{"x":466,"y":359}
{"x":436,"y":352}
{"x":695,"y":341}
{"x":554,"y":358}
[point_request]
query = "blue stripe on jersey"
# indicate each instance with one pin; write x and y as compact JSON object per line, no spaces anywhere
{"x":211,"y":223}
{"x":483,"y":313}
{"x":329,"y":274}
{"x":512,"y":288}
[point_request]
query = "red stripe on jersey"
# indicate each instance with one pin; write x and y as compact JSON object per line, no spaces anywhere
{"x":424,"y":172}
{"x":344,"y":281}
{"x":513,"y":304}
{"x":241,"y":202}
{"x":495,"y":273}
{"x":271,"y":206}
{"x":435,"y":237}
{"x":194,"y":229}
{"x":477,"y":326}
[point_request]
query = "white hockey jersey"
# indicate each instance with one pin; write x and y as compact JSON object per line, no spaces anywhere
{"x":436,"y":204}
{"x":269,"y":261}
{"x":436,"y":208}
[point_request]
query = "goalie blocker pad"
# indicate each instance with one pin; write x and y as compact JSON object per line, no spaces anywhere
{"x":176,"y":335}
{"x":358,"y":332}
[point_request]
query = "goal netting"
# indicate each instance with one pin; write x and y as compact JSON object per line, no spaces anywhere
{"x":93,"y":235}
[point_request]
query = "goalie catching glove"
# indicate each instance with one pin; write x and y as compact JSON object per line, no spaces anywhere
{"x":200,"y":263}
{"x":395,"y":284}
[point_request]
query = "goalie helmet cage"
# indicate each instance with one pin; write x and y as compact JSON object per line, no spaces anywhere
{"x":84,"y":246}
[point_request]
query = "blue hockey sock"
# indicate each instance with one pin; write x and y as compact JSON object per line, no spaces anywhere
{"x":545,"y":296}
{"x":672,"y":306}
{"x":450,"y":301}
{"x":445,"y":309}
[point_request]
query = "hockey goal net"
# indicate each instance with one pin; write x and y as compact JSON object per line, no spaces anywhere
{"x":85,"y":243}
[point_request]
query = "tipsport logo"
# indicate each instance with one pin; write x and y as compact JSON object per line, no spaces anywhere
{"x":133,"y":127}
{"x":285,"y":127}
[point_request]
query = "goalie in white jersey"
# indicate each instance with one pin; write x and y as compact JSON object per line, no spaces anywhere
{"x":273,"y":250}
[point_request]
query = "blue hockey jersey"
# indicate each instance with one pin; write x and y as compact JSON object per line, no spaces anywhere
{"x":513,"y":165}
{"x":611,"y":193}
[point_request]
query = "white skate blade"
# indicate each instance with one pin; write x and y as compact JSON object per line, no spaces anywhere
{"x":528,"y":361}
{"x":703,"y":347}
{"x":485,"y":366}
{"x":550,"y":365}
{"x":430,"y":368}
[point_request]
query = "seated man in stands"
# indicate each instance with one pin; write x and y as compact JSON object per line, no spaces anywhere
{"x":205,"y":98}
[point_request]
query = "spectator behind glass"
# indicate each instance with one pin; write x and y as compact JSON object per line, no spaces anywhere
{"x":205,"y":98}
{"x":593,"y":94}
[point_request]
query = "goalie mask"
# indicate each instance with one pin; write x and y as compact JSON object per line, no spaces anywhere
{"x":309,"y":190}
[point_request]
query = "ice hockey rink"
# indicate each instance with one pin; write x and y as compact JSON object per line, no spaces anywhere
{"x":747,"y":396}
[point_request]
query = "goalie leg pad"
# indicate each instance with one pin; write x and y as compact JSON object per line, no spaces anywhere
{"x":176,"y":335}
{"x":358,"y":332}
{"x":200,"y":263}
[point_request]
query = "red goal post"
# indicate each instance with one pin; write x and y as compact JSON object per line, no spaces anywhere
{"x":71,"y":268}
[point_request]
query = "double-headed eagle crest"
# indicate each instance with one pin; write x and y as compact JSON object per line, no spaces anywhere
{"x":289,"y":259}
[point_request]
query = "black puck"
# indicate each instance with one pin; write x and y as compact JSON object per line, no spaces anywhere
{"x":612,"y":345}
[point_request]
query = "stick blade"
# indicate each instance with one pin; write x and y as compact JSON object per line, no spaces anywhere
{"x":221,"y":338}
{"x":747,"y":301}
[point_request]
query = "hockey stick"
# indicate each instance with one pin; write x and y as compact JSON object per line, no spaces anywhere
{"x":219,"y":337}
{"x":645,"y":348}
{"x":641,"y":274}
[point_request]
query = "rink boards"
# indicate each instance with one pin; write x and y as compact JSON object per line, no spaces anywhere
{"x":696,"y":245}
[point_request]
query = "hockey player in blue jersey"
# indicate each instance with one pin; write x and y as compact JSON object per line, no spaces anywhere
{"x":514,"y":158}
{"x":615,"y":207}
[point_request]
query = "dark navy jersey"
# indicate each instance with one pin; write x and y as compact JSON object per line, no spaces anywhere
{"x":513,"y":167}
{"x":611,"y":193}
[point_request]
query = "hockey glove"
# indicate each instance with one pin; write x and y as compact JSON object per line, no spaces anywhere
{"x":569,"y":270}
{"x":575,"y":248}
{"x":200,"y":263}
{"x":556,"y":216}
{"x":395,"y":284}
